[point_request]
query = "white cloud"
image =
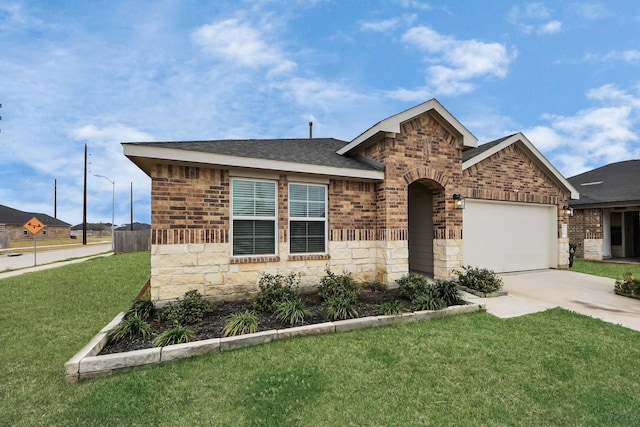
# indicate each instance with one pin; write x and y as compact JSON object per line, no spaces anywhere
{"x":387,"y":24}
{"x":594,"y":136}
{"x":456,"y":63}
{"x":317,"y":93}
{"x":631,"y":56}
{"x":241,"y":44}
{"x":550,"y":27}
{"x":589,"y":10}
{"x":528,"y":19}
{"x":415,"y":4}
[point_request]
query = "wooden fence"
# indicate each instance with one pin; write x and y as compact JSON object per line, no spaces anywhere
{"x":132,"y":241}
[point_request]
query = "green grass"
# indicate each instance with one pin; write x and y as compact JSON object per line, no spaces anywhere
{"x":605,"y":269}
{"x":550,"y":368}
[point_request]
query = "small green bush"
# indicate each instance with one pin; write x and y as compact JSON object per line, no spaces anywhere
{"x":176,"y":335}
{"x":134,"y":327}
{"x":480,"y":279}
{"x":189,"y":309}
{"x":274,"y":289}
{"x":340,"y":308}
{"x":629,"y":285}
{"x":429,"y":301}
{"x":142,"y":307}
{"x":390,"y":308}
{"x":447,"y":290}
{"x":339,"y":286}
{"x":292,"y":311}
{"x":412,"y":285}
{"x":241,"y":323}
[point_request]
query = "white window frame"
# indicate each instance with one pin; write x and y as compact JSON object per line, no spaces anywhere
{"x":310,"y":219}
{"x":273,"y":218}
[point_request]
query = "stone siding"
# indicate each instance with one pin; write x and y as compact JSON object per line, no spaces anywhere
{"x":593,"y":249}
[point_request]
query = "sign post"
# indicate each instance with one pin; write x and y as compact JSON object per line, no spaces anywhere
{"x":34,"y":226}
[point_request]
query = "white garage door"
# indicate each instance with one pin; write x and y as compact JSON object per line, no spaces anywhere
{"x":505,"y":236}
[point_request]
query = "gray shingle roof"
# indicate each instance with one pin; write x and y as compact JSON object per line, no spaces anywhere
{"x":610,"y":184}
{"x":316,"y":151}
{"x":470,"y":154}
{"x":15,"y":217}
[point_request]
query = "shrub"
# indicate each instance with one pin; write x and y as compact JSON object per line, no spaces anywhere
{"x":390,"y":308}
{"x":447,"y":290}
{"x":292,"y":311}
{"x":274,"y":289}
{"x":340,"y":308}
{"x":341,"y":287}
{"x":176,"y":335}
{"x":412,"y":285}
{"x":133,"y":326}
{"x":629,"y":285}
{"x":429,"y":301}
{"x":479,"y":279}
{"x":241,"y":323}
{"x":141,"y":307}
{"x":189,"y":309}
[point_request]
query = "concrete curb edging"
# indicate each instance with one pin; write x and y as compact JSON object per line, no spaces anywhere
{"x":483,"y":294}
{"x":87,"y":364}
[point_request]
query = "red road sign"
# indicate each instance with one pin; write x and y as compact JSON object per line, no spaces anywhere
{"x":34,"y":225}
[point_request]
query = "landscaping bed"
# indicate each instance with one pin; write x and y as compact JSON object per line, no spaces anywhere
{"x":213,"y":323}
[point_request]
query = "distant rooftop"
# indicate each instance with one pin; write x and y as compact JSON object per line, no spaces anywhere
{"x":615,"y":183}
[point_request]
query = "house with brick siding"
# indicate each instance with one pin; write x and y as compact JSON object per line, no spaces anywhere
{"x":413,"y":193}
{"x":606,"y":219}
{"x":12,"y":222}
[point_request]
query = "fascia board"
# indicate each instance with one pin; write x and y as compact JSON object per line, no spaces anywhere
{"x":392,"y":125}
{"x":538,"y":157}
{"x":197,"y":157}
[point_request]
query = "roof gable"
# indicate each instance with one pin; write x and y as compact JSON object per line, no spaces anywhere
{"x":464,"y":138}
{"x":475,"y":156}
{"x":615,"y":183}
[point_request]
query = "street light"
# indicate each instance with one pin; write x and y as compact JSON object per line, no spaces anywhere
{"x":113,"y":208}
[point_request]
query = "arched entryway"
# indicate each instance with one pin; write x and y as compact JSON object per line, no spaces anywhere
{"x":420,"y":226}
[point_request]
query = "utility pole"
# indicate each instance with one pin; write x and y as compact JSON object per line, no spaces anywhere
{"x":131,"y":222}
{"x":55,"y":198}
{"x":84,"y":202}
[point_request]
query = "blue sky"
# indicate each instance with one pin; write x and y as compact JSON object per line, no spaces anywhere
{"x":566,"y":73}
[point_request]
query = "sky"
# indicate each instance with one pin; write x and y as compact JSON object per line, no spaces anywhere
{"x":98,"y":73}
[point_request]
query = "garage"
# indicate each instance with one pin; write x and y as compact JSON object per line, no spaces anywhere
{"x":509,"y":236}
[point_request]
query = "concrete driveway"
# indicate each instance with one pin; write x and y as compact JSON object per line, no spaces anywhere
{"x":593,"y":296}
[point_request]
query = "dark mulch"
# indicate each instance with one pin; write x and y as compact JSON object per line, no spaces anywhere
{"x":213,"y":324}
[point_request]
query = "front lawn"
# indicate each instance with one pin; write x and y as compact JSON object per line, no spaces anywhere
{"x":614,"y":270}
{"x":550,"y":368}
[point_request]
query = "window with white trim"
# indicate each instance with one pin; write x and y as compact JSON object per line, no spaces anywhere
{"x":253,"y":217}
{"x":307,"y":218}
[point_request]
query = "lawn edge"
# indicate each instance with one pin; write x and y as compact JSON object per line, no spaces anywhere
{"x":87,"y":364}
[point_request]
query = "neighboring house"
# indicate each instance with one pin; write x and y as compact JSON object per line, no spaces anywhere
{"x":136,"y":227}
{"x":12,"y":221}
{"x":412,"y":193}
{"x":606,"y":219}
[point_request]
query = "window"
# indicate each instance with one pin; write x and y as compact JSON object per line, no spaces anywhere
{"x":253,"y":217}
{"x":307,"y":218}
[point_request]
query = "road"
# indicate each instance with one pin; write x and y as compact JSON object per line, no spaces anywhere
{"x":47,"y":257}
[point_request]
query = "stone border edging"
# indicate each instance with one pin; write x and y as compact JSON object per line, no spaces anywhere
{"x":623,"y":294}
{"x":482,"y":294}
{"x":87,"y":364}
